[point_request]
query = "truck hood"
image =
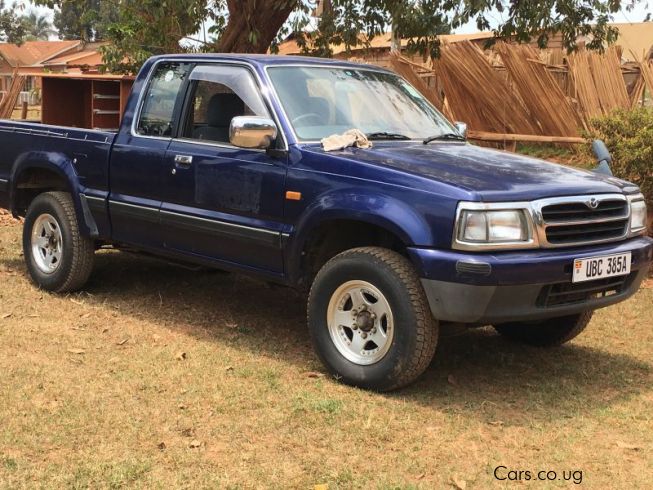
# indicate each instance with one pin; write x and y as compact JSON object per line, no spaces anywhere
{"x":488,"y":174}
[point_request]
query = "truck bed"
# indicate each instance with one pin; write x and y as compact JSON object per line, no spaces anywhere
{"x":85,"y":151}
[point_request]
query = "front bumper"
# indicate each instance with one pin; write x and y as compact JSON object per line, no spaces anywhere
{"x":527,"y":285}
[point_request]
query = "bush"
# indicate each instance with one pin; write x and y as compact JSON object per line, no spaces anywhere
{"x":629,"y":137}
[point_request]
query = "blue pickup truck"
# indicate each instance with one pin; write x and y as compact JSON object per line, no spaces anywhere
{"x":219,"y":162}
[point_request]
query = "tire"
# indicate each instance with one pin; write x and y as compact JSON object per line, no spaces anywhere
{"x":58,"y":258}
{"x":376,"y":292}
{"x":548,"y":333}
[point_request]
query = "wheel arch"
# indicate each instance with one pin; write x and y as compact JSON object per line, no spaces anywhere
{"x":38,"y":172}
{"x":342,"y":221}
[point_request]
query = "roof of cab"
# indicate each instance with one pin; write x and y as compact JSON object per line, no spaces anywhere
{"x":268,"y":59}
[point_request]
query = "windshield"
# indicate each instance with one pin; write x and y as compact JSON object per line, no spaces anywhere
{"x":321,"y":101}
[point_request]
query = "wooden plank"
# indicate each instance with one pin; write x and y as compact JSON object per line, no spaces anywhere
{"x":599,"y":82}
{"x":525,"y":138}
{"x":479,"y":95}
{"x":540,"y":92}
{"x":11,"y":97}
{"x":403,"y":67}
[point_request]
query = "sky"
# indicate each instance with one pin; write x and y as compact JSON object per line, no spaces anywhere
{"x":636,"y":15}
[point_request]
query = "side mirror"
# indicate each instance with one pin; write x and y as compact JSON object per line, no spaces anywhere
{"x":252,"y":132}
{"x":603,"y":156}
{"x":461,"y":127}
{"x":601,"y":151}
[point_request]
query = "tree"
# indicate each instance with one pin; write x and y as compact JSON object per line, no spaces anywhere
{"x":422,"y":21}
{"x":253,"y":24}
{"x":12,"y":27}
{"x":84,"y":20}
{"x":148,"y":27}
{"x":37,"y":27}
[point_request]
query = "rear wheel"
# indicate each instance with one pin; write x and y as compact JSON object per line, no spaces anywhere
{"x":370,"y":321}
{"x":547,"y":333}
{"x":58,"y":257}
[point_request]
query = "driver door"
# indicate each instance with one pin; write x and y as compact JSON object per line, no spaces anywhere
{"x":221,"y":202}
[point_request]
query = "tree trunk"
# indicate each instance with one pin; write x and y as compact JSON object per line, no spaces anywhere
{"x":253,"y":24}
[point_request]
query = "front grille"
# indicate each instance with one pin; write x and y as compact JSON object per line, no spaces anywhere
{"x":576,"y":223}
{"x":567,"y":293}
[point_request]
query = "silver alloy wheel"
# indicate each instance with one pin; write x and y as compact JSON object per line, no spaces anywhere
{"x":360,"y":322}
{"x":47,"y":243}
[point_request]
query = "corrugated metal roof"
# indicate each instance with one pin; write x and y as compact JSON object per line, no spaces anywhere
{"x":33,"y":53}
{"x":635,"y":37}
{"x":89,"y":55}
{"x":383,"y":41}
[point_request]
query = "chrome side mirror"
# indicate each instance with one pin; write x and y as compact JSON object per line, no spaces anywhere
{"x":461,"y":127}
{"x":252,"y":132}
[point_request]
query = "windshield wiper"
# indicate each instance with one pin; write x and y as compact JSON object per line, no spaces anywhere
{"x":445,"y":137}
{"x":384,"y":135}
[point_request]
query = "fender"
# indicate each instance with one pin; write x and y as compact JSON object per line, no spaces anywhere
{"x":60,"y":164}
{"x":356,"y":204}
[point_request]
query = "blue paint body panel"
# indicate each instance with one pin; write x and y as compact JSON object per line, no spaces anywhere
{"x":229,"y":208}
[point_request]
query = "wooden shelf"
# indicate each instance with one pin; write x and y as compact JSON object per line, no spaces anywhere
{"x":106,"y":97}
{"x":106,"y":104}
{"x":104,"y":112}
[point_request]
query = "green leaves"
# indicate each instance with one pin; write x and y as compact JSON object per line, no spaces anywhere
{"x":628,"y":135}
{"x":354,"y":23}
{"x":12,"y":26}
{"x":138,"y":29}
{"x":37,"y":27}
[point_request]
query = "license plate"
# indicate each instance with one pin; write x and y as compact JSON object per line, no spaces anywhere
{"x":593,"y":268}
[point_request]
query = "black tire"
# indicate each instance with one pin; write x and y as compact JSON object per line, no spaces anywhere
{"x":547,"y":333}
{"x":415,"y":331}
{"x":77,"y":251}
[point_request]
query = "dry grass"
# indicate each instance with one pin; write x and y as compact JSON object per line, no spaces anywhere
{"x":95,"y":392}
{"x":33,"y":113}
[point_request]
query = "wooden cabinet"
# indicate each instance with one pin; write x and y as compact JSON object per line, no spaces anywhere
{"x":85,"y":101}
{"x":105,"y":114}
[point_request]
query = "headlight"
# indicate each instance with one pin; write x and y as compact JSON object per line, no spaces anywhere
{"x":638,"y":214}
{"x":494,"y":226}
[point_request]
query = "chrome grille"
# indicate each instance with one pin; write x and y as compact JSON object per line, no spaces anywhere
{"x":585,"y":220}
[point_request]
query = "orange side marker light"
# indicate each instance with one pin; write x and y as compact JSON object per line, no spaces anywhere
{"x":293,"y":195}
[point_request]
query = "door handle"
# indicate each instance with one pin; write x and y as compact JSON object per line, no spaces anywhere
{"x":184,"y":160}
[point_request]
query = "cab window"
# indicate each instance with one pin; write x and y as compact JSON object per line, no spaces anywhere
{"x":162,"y":96}
{"x":217,"y":95}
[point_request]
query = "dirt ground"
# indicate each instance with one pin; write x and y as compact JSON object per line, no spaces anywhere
{"x":160,"y":377}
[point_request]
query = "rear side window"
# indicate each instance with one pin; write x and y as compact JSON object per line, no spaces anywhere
{"x":161,"y":98}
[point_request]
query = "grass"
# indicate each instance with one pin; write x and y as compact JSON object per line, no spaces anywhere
{"x":158,"y":377}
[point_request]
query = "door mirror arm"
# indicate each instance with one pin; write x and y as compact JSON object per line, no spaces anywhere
{"x":277,"y":153}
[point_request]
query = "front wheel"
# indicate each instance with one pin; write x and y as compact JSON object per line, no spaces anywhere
{"x":58,"y":257}
{"x":546,"y":333}
{"x":370,"y":321}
